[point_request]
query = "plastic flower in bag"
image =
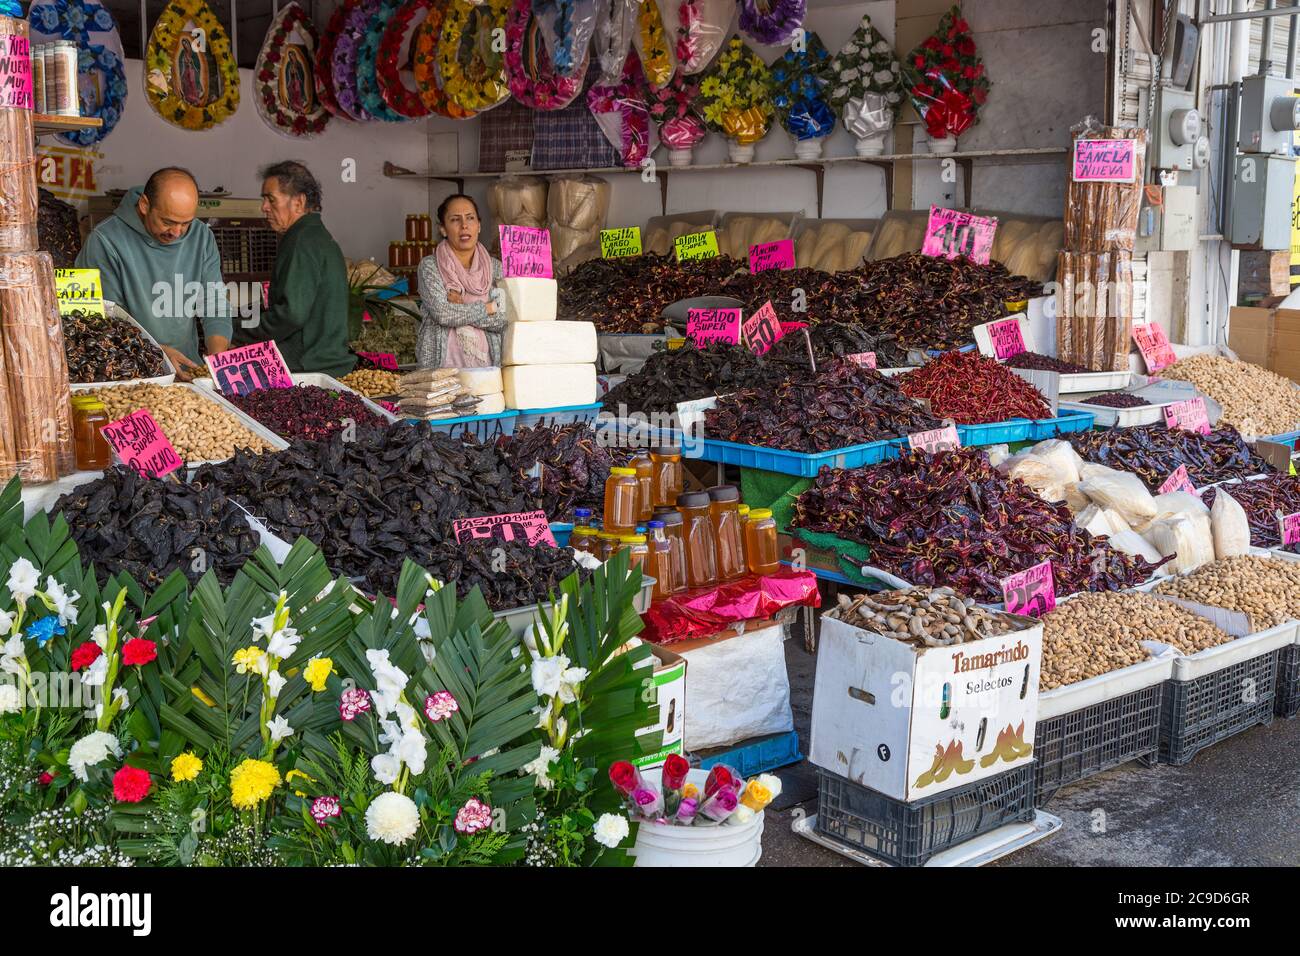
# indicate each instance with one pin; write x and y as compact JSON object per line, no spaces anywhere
{"x":800,"y":79}
{"x":945,"y":75}
{"x":866,"y":66}
{"x":736,"y":98}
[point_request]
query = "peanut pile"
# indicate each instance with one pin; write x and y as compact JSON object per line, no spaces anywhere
{"x":199,"y":429}
{"x":1255,"y":401}
{"x":372,"y":382}
{"x":1268,"y":589}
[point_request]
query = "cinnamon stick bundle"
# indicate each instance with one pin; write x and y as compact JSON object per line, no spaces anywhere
{"x":18,"y":194}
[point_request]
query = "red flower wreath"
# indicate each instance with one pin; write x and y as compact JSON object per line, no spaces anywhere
{"x":393,"y":47}
{"x":324,"y":59}
{"x":284,"y":120}
{"x":535,"y":83}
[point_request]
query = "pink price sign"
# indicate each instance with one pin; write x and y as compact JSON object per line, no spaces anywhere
{"x":1190,"y":416}
{"x":384,"y":360}
{"x":16,"y":73}
{"x":1008,"y":339}
{"x":713,"y":325}
{"x":1104,"y":160}
{"x":141,"y":445}
{"x":762,"y":330}
{"x":1031,"y":591}
{"x":1290,"y":529}
{"x":865,"y":359}
{"x":951,"y":234}
{"x":248,"y":368}
{"x":1154,"y":346}
{"x":1180,"y":480}
{"x":525,"y":252}
{"x":771,"y":255}
{"x":529,"y":527}
{"x":935,"y":440}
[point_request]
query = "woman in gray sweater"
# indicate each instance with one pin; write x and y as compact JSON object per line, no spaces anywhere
{"x":463,"y":309}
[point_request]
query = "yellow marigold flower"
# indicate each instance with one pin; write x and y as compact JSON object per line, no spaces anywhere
{"x":186,"y":767}
{"x":317,"y":672}
{"x":245,"y":660}
{"x":288,"y":779}
{"x":252,"y":782}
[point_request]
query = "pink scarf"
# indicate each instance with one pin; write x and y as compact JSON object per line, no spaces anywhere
{"x":468,"y":347}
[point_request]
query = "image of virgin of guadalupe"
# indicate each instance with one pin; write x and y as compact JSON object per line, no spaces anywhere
{"x":297,"y":84}
{"x":197,"y":78}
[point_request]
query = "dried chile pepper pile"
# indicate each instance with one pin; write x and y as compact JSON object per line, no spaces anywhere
{"x":307,"y":411}
{"x":952,"y":519}
{"x":1045,"y":363}
{"x":148,"y":528}
{"x":1262,"y":500}
{"x":677,"y":375}
{"x":973,"y":389}
{"x":832,"y":340}
{"x":1118,"y":400}
{"x":841,"y":404}
{"x":628,"y":294}
{"x":574,"y":466}
{"x":1154,"y":452}
{"x":106,"y":349}
{"x":389,"y":495}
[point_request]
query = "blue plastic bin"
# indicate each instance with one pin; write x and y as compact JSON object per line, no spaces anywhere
{"x":795,"y":463}
{"x":561,"y":415}
{"x":485,"y":428}
{"x":1287,"y":438}
{"x":1062,"y":424}
{"x":995,"y":433}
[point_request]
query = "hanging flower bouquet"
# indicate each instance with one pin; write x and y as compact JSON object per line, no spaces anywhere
{"x":770,"y":22}
{"x":701,"y":31}
{"x":679,"y":129}
{"x":946,"y":82}
{"x":736,"y":98}
{"x":533,"y":80}
{"x":799,"y":81}
{"x":567,"y":28}
{"x":616,"y":22}
{"x":621,"y":112}
{"x":477,"y":81}
{"x":867,"y":87}
{"x":652,"y":44}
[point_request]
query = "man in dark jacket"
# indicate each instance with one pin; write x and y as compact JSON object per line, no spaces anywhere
{"x":307,"y":313}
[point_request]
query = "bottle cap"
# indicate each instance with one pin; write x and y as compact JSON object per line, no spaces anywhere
{"x":582,"y":512}
{"x":633,"y":539}
{"x":668,"y":516}
{"x":760,"y":514}
{"x":693,"y":499}
{"x":724,"y":493}
{"x":665,"y":450}
{"x":655,"y":525}
{"x":622,"y":471}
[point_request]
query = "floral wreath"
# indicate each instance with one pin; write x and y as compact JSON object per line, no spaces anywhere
{"x":81,"y":22}
{"x":945,"y":78}
{"x":615,"y":24}
{"x":432,"y":95}
{"x":866,"y":65}
{"x":670,"y":107}
{"x":476,"y":85}
{"x":535,"y":83}
{"x":280,"y":117}
{"x":368,"y":90}
{"x":343,"y":62}
{"x":652,"y":45}
{"x":329,"y":38}
{"x":568,"y":25}
{"x":799,"y":79}
{"x":626,"y":98}
{"x":735,"y":98}
{"x":397,"y":37}
{"x":158,"y":58}
{"x":771,"y":23}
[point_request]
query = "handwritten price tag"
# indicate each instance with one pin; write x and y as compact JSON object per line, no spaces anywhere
{"x":16,"y":73}
{"x":1290,"y":529}
{"x":865,"y":359}
{"x":141,"y":445}
{"x":1008,"y":339}
{"x":1030,"y":591}
{"x":1190,"y":416}
{"x":617,"y":243}
{"x":697,"y":245}
{"x":248,"y":368}
{"x":950,"y":234}
{"x":1104,"y":160}
{"x":935,"y":440}
{"x":525,"y":252}
{"x":771,"y":255}
{"x":1180,"y":480}
{"x":384,"y":360}
{"x":762,"y":330}
{"x":530,"y":527}
{"x":1154,"y":346}
{"x":713,"y":325}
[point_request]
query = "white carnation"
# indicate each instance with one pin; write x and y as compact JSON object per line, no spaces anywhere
{"x":10,"y":699}
{"x":839,"y":92}
{"x":24,"y":579}
{"x":880,"y":47}
{"x":392,"y":818}
{"x":893,"y":97}
{"x":611,"y":830}
{"x":547,"y":674}
{"x":540,"y":768}
{"x":851,"y":48}
{"x":90,"y":750}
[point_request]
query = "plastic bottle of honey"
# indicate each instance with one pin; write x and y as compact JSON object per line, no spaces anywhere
{"x":724,"y":511}
{"x":668,"y":477}
{"x":764,"y":556}
{"x":645,"y":472}
{"x":637,"y":549}
{"x":89,"y":415}
{"x":701,"y":541}
{"x":583,"y":533}
{"x":621,"y":501}
{"x":744,"y":538}
{"x":674,"y":532}
{"x":659,"y":561}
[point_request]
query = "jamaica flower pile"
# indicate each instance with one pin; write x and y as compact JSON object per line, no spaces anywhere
{"x":945,"y":78}
{"x":866,"y":82}
{"x":736,"y":96}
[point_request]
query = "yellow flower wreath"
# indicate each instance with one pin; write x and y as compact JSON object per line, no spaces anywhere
{"x":160,"y":82}
{"x":479,"y":84}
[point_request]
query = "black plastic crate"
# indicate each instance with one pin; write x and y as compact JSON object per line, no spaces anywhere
{"x":1199,"y":713}
{"x":1070,"y":747}
{"x":909,"y":834}
{"x":1287,"y":703}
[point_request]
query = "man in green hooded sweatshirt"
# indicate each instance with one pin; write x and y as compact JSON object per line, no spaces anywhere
{"x":307,"y":314}
{"x":161,"y":264}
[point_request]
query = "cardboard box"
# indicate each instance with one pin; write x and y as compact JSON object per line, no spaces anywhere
{"x":670,"y":687}
{"x":914,"y":722}
{"x":1264,"y":273}
{"x":1267,"y":337}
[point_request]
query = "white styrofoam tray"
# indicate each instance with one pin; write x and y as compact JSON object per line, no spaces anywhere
{"x":169,"y":376}
{"x":1094,"y":382}
{"x":1106,"y":416}
{"x":1234,"y":652}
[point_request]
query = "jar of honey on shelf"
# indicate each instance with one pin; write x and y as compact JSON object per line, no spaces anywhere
{"x":762,"y":549}
{"x":668,"y":478}
{"x":621,"y":499}
{"x":89,"y":415}
{"x":674,"y":532}
{"x":701,"y":540}
{"x":724,"y":511}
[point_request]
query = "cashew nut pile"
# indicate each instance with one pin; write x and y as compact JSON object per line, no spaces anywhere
{"x":1255,"y":401}
{"x":1268,"y":589}
{"x":372,"y":382}
{"x":1097,"y":632}
{"x":199,"y":429}
{"x":923,"y":617}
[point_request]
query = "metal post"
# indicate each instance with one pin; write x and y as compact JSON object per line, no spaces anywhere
{"x":1266,"y":41}
{"x":1291,"y":48}
{"x":1287,"y":11}
{"x":144,"y":27}
{"x":234,"y":31}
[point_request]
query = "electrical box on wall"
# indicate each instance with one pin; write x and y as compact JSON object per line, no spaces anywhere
{"x":1262,"y":189}
{"x":1269,"y":115}
{"x":1179,"y":130}
{"x":1167,"y":222}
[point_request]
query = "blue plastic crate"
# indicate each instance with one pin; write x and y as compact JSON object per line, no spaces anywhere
{"x":757,"y":755}
{"x":1062,"y":424}
{"x":795,"y":463}
{"x":995,"y":433}
{"x":560,"y":415}
{"x":1287,"y":438}
{"x":485,"y":428}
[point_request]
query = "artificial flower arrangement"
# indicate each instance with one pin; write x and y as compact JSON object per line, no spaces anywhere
{"x":165,"y":87}
{"x":945,"y":79}
{"x":567,"y":27}
{"x":725,"y":798}
{"x":310,"y":116}
{"x":671,"y":110}
{"x":477,"y":82}
{"x":799,"y":81}
{"x":770,"y":22}
{"x":653,"y":45}
{"x":424,"y":64}
{"x":867,"y":86}
{"x":621,"y":112}
{"x":369,"y":94}
{"x":736,"y":96}
{"x":533,"y":80}
{"x":616,"y":22}
{"x":701,"y":31}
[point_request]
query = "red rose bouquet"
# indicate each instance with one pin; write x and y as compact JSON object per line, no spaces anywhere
{"x":945,"y":78}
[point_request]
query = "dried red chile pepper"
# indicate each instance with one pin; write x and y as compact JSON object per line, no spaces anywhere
{"x":973,"y":389}
{"x":952,"y":519}
{"x":1262,"y":500}
{"x":1154,"y":452}
{"x":307,"y":411}
{"x":1045,"y":363}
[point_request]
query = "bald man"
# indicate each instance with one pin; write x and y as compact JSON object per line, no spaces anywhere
{"x":161,"y":264}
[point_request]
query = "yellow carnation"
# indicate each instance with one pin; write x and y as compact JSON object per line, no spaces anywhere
{"x":252,"y":782}
{"x":246,"y":660}
{"x":186,"y":767}
{"x":317,"y":672}
{"x":198,"y":692}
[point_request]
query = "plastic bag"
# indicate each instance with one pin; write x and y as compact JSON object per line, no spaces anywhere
{"x":699,"y":28}
{"x":518,"y":201}
{"x":1132,"y":543}
{"x":1180,"y":502}
{"x":1103,"y":217}
{"x":1229,"y":525}
{"x":1101,"y":522}
{"x":1049,"y":467}
{"x":670,"y":110}
{"x":945,"y":78}
{"x":1188,"y":539}
{"x":567,"y":29}
{"x":799,"y":91}
{"x":612,"y":39}
{"x":621,"y":113}
{"x":1121,"y":491}
{"x":653,"y":46}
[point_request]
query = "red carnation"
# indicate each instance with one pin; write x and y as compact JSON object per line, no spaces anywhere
{"x":961,"y":25}
{"x":139,"y":651}
{"x":966,"y":47}
{"x":931,"y":43}
{"x":45,"y":779}
{"x":131,"y":785}
{"x":979,"y":70}
{"x":969,"y":73}
{"x":919,"y":61}
{"x":950,"y":65}
{"x":948,"y":50}
{"x":85,"y":655}
{"x":980,"y":95}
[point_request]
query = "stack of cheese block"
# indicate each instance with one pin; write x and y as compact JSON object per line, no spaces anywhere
{"x":545,"y":363}
{"x":485,"y":385}
{"x":435,"y":393}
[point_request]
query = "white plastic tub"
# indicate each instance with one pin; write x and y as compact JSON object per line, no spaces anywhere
{"x":726,"y":844}
{"x":1234,"y":652}
{"x":1094,"y":382}
{"x":1105,"y":416}
{"x":1094,"y":690}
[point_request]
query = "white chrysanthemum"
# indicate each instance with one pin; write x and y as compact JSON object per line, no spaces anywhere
{"x":10,"y":699}
{"x":90,"y":750}
{"x":547,"y":674}
{"x":611,"y":830}
{"x":882,"y":77}
{"x":392,"y":818}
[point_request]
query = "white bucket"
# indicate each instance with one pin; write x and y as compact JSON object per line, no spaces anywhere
{"x":680,"y":157}
{"x":723,"y":845}
{"x":740,"y":154}
{"x":946,"y":145}
{"x":873,"y":144}
{"x":809,"y":148}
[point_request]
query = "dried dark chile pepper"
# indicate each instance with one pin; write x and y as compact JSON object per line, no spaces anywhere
{"x":574,"y":466}
{"x":1154,"y":452}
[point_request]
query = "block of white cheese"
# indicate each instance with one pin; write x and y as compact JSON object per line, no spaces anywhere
{"x":491,"y":404}
{"x":530,"y":299}
{"x":549,"y":386}
{"x":480,"y":381}
{"x":549,"y":343}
